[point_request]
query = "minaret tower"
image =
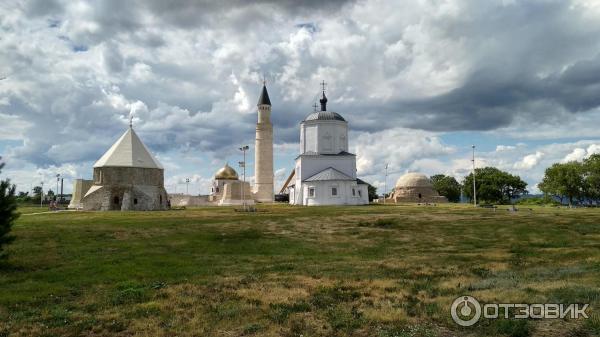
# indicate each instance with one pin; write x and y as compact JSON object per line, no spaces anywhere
{"x":263,"y":150}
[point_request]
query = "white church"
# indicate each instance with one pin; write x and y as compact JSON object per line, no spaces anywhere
{"x":325,"y":172}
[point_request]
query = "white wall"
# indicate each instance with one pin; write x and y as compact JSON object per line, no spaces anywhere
{"x":323,"y":193}
{"x":311,"y":165}
{"x":324,"y":136}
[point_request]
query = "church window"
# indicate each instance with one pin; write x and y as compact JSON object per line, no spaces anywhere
{"x":116,"y":200}
{"x":353,"y":191}
{"x":311,"y":192}
{"x":359,"y":193}
{"x":160,"y":199}
{"x":135,"y":201}
{"x":334,"y":191}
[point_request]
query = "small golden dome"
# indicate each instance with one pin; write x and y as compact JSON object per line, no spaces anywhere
{"x":227,"y":172}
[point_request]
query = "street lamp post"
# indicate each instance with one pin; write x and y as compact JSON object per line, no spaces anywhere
{"x":385,"y":184}
{"x":243,"y":166}
{"x":474,"y":188}
{"x":41,"y":194}
{"x":57,"y":181}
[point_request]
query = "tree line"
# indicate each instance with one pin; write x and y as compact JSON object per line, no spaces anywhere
{"x":493,"y":186}
{"x":574,"y":181}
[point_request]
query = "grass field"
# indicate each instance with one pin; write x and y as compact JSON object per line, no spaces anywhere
{"x":292,"y":271}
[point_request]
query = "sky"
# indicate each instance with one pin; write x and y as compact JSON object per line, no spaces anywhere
{"x":419,"y":82}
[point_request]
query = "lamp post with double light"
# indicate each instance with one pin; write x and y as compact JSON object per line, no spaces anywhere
{"x":243,"y":166}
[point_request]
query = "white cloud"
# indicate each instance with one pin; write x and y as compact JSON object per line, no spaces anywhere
{"x":529,"y":161}
{"x":502,"y":148}
{"x":398,"y":147}
{"x":576,"y":155}
{"x":13,"y":127}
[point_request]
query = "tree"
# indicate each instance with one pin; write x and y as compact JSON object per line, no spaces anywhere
{"x":494,"y":185}
{"x":446,"y":186}
{"x":564,"y":181}
{"x":372,"y":192}
{"x":8,"y":213}
{"x":591,"y":176}
{"x":37,"y":194}
{"x":23,"y":197}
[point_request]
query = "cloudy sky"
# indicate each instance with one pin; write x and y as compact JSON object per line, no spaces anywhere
{"x":419,"y":82}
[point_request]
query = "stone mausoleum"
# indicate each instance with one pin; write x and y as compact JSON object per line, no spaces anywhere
{"x":127,"y":177}
{"x":415,"y":187}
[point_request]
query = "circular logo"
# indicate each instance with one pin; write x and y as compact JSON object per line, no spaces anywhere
{"x":465,"y":310}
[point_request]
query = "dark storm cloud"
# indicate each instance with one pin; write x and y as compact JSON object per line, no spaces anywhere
{"x":240,"y":13}
{"x":522,"y":56}
{"x":43,"y":7}
{"x":484,"y":102}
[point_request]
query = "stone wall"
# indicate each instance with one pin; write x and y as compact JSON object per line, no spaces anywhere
{"x":80,"y":188}
{"x":128,"y":176}
{"x":232,"y":194}
{"x":125,"y":197}
{"x":184,"y":200}
{"x":417,"y":194}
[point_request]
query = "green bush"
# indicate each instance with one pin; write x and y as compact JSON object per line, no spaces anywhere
{"x":8,"y":213}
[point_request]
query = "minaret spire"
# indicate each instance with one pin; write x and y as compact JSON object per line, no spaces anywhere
{"x":263,"y":150}
{"x":323,"y":99}
{"x":264,"y":95}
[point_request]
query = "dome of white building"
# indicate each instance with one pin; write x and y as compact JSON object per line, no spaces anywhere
{"x":413,"y":179}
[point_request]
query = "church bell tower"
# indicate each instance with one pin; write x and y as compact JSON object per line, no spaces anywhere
{"x":263,"y":150}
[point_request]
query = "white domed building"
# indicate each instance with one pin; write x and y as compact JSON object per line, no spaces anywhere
{"x":325,"y":172}
{"x":415,"y":187}
{"x":228,"y":190}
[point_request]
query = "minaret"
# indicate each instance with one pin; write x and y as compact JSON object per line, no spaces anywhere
{"x":263,"y":150}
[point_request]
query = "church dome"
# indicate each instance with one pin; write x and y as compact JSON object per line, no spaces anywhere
{"x":226,"y":173}
{"x":324,"y":116}
{"x":413,"y":179}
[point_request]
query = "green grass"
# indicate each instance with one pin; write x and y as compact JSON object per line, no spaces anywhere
{"x":291,"y":271}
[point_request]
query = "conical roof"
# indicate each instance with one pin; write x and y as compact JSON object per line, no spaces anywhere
{"x":264,"y":97}
{"x":128,"y":151}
